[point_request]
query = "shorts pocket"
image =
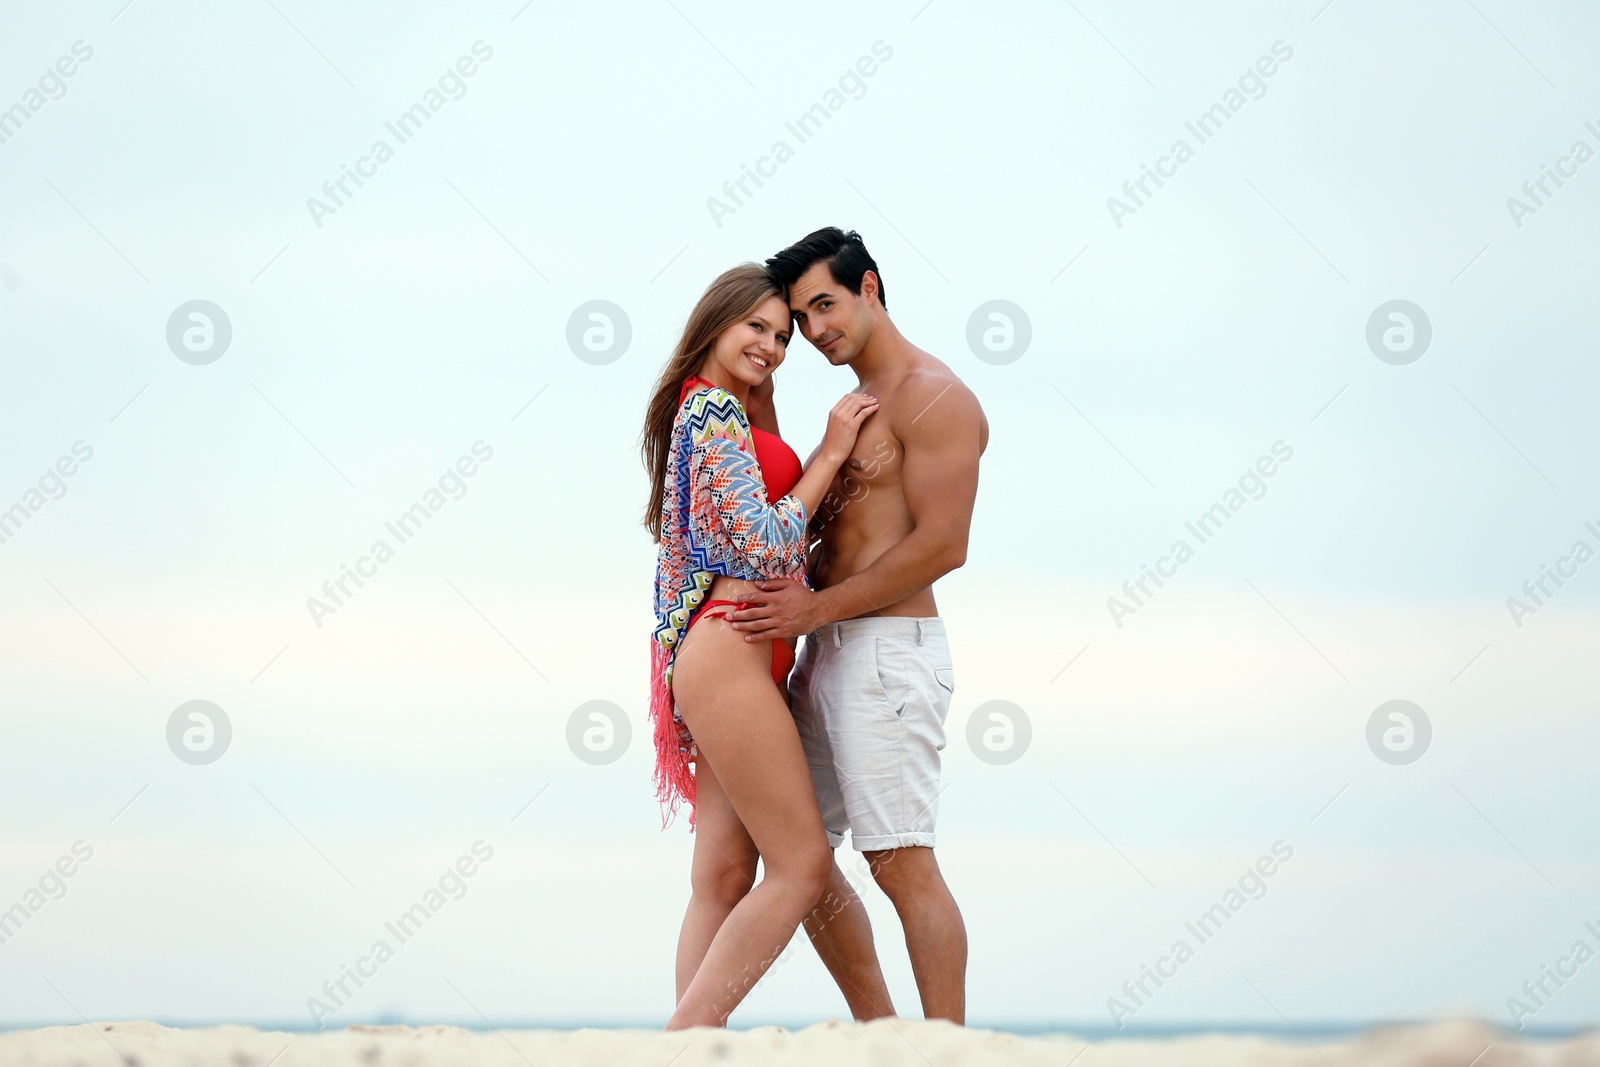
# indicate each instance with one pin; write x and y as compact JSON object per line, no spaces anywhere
{"x":890,"y":679}
{"x":945,"y":676}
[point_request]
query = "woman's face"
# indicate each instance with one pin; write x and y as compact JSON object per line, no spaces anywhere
{"x":752,"y":348}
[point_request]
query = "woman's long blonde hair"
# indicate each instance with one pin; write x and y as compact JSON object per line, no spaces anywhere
{"x":735,"y":294}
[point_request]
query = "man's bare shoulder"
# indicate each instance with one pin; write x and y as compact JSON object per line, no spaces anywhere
{"x":932,"y":395}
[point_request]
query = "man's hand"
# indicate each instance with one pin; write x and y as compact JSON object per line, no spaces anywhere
{"x":784,"y":609}
{"x":761,"y":392}
{"x":759,"y":408}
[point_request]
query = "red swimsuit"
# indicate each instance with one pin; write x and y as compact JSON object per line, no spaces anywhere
{"x":780,"y":470}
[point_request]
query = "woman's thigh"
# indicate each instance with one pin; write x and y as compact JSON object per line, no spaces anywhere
{"x":742,"y":728}
{"x":725,"y":857}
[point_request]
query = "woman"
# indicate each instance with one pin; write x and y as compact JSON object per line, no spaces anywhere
{"x":715,"y":701}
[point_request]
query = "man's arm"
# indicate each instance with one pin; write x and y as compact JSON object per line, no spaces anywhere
{"x":939,"y":430}
{"x":759,"y":408}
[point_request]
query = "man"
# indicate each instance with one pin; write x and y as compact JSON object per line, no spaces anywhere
{"x":872,"y":685}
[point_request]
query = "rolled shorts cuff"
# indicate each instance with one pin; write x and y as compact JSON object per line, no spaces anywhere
{"x":884,"y":842}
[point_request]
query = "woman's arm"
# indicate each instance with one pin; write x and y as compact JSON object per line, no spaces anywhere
{"x":766,"y":537}
{"x":769,"y":536}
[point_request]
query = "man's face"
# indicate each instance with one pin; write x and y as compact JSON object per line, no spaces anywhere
{"x":836,"y":321}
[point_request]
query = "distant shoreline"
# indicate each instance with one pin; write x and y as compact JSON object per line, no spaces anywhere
{"x":1097,"y":1031}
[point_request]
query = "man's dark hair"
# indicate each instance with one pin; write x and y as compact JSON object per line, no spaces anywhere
{"x":847,"y":256}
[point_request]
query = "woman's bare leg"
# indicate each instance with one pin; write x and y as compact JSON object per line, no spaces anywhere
{"x":841,"y":932}
{"x":722,"y":872}
{"x":743,"y":730}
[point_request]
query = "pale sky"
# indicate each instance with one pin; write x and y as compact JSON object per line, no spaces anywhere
{"x":374,"y":346}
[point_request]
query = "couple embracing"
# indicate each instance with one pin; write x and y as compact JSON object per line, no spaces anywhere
{"x":775,"y":757}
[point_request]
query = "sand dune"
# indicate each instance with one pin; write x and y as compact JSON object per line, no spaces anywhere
{"x":834,"y":1044}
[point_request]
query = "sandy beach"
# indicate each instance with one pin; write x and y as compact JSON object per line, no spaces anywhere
{"x":836,"y":1044}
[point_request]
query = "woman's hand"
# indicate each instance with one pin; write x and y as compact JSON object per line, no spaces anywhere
{"x":844,"y":423}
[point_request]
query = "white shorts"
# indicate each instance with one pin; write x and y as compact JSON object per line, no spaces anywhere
{"x":870,"y":697}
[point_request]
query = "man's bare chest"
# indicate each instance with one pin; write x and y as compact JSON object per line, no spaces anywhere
{"x":874,"y":468}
